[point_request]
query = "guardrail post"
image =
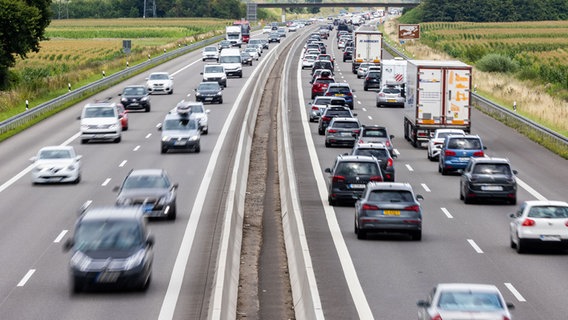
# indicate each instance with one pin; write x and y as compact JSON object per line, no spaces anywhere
{"x":27,"y":105}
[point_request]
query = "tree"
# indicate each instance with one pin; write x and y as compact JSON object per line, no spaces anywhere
{"x":22,"y":27}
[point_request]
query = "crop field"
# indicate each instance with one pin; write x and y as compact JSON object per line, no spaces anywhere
{"x":78,"y":51}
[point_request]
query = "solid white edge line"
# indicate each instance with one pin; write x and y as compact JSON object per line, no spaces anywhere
{"x":447,"y":213}
{"x":514,"y":291}
{"x":357,"y":294}
{"x":475,"y":246}
{"x":26,"y":278}
{"x":60,"y":236}
{"x":530,"y":190}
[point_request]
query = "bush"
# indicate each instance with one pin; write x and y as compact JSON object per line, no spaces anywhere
{"x":497,"y":63}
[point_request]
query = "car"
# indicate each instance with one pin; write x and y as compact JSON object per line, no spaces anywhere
{"x":110,"y":247}
{"x":180,"y":131}
{"x":342,"y":131}
{"x":320,"y":73}
{"x":56,"y":164}
{"x":464,"y":301}
{"x":313,"y":51}
{"x":224,"y":44}
{"x":150,"y":189}
{"x":324,"y":33}
{"x":322,"y":64}
{"x":341,"y":90}
{"x":308,"y":61}
{"x":362,"y":69}
{"x":322,"y":46}
{"x":263,"y":43}
{"x":320,"y":85}
{"x":541,"y":223}
{"x":100,"y":121}
{"x":328,"y":57}
{"x":457,"y":150}
{"x":196,"y":111}
{"x":348,"y":54}
{"x":388,"y":207}
{"x":246,"y":58}
{"x":281,"y":32}
{"x":348,"y":177}
{"x":274,"y":37}
{"x":231,"y":60}
{"x":488,"y":178}
{"x":160,"y":82}
{"x":210,"y":52}
{"x":135,"y":97}
{"x":253,"y":52}
{"x":266,"y":29}
{"x":314,"y":46}
{"x":329,"y":113}
{"x":209,"y":91}
{"x":372,"y":80}
{"x":320,"y":103}
{"x":376,"y":134}
{"x":215,"y":72}
{"x":257,"y":45}
{"x":390,"y":95}
{"x":379,"y":151}
{"x":435,"y":143}
{"x":122,"y":116}
{"x":293,"y":28}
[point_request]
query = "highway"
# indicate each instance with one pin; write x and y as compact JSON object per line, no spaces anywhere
{"x":378,"y":278}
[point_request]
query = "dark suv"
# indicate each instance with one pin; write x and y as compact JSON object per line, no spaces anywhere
{"x":135,"y":97}
{"x":488,"y":178}
{"x":331,"y":112}
{"x":372,"y":80}
{"x":379,"y":151}
{"x":349,"y":177}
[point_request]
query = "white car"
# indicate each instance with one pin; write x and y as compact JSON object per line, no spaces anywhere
{"x":253,"y":52}
{"x":464,"y":301}
{"x":267,"y":29}
{"x":196,"y":111}
{"x":160,"y":82}
{"x":308,"y":61}
{"x":210,"y":52}
{"x":293,"y":28}
{"x":435,"y":143}
{"x":56,"y":164}
{"x":539,"y":223}
{"x":100,"y":121}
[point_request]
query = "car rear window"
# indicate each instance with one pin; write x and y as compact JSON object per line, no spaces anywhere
{"x":464,"y":143}
{"x":391,"y":196}
{"x":357,"y":168}
{"x":338,"y":90}
{"x":322,"y":101}
{"x":320,"y":80}
{"x":492,"y":168}
{"x":345,"y":124}
{"x":548,"y":212}
{"x":340,"y":113}
{"x":377,"y":153}
{"x":391,"y":90}
{"x":381,"y":133}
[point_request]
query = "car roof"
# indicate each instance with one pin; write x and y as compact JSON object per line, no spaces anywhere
{"x":112,"y":213}
{"x":546,"y":202}
{"x":57,"y":148}
{"x":352,"y":158}
{"x":339,"y":84}
{"x":146,"y":172}
{"x":373,"y":145}
{"x":467,"y":286}
{"x":489,"y":160}
{"x":389,"y":186}
{"x":100,"y":104}
{"x":336,"y":119}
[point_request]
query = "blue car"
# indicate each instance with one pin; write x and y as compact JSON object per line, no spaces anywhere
{"x":457,"y":150}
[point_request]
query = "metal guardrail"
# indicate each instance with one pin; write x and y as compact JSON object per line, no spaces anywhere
{"x":507,"y":116}
{"x":41,"y":110}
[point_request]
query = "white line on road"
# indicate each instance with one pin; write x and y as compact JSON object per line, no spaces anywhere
{"x":530,"y":190}
{"x":60,"y":236}
{"x":370,"y":118}
{"x":123,"y":163}
{"x":26,"y":278}
{"x":425,"y":187}
{"x":104,"y":184}
{"x":136,"y":148}
{"x":364,"y":109}
{"x":475,"y":246}
{"x":409,"y":167}
{"x":447,"y":213}
{"x":148,"y":135}
{"x":515,"y":292}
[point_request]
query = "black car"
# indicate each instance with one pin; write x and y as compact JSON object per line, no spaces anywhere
{"x":246,"y":58}
{"x":111,"y":247}
{"x":488,"y":178}
{"x":274,"y":37}
{"x":150,"y":189}
{"x":379,"y":151}
{"x":349,"y":177}
{"x":331,"y":112}
{"x":209,"y":91}
{"x":348,"y":54}
{"x":372,"y":80}
{"x":135,"y":98}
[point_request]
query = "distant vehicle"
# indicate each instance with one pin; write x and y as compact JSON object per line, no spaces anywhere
{"x":329,"y":113}
{"x":320,"y":85}
{"x":390,"y":95}
{"x":376,"y":134}
{"x":274,"y":37}
{"x":362,"y":69}
{"x":224,"y":44}
{"x":320,"y":103}
{"x":341,"y":89}
{"x":111,"y":247}
{"x":462,"y":301}
{"x":308,"y":61}
{"x":253,"y":52}
{"x":348,"y":54}
{"x":488,"y":178}
{"x":394,"y":71}
{"x":135,"y":97}
{"x":210,"y":52}
{"x":293,"y":28}
{"x":230,"y":59}
{"x":372,"y":80}
{"x":379,"y":151}
{"x":435,"y":143}
{"x":246,"y":58}
{"x":160,"y":82}
{"x":179,"y":131}
{"x":234,"y":35}
{"x":367,"y":46}
{"x":266,"y":29}
{"x":215,"y":72}
{"x":342,"y":132}
{"x":209,"y":91}
{"x":56,"y":164}
{"x":100,"y":121}
{"x":539,"y":223}
{"x":457,"y":150}
{"x":245,"y":29}
{"x":196,"y":111}
{"x":262,"y":42}
{"x":282,"y":32}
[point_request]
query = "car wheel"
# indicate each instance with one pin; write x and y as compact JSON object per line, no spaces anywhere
{"x":220,"y":101}
{"x":83,"y":141}
{"x":461,"y":194}
{"x":332,"y":202}
{"x":171,"y":92}
{"x":76,"y":181}
{"x":512,"y":243}
{"x":521,"y":246}
{"x":206,"y":131}
{"x":173,"y":213}
{"x":513,"y":201}
{"x":416,"y":235}
{"x":163,"y":150}
{"x":362,"y":234}
{"x":320,"y":132}
{"x":327,"y":144}
{"x":146,"y":285}
{"x":443,"y":171}
{"x":466,"y":199}
{"x":76,"y":286}
{"x":147,"y":109}
{"x":198,"y":149}
{"x":117,"y":140}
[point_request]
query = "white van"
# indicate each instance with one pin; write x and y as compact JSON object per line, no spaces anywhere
{"x":230,"y":58}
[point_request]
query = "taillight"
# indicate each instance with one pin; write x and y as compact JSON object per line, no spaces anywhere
{"x":376,"y":178}
{"x":349,"y":94}
{"x":315,"y":108}
{"x":369,"y":207}
{"x":387,"y":143}
{"x":528,"y":223}
{"x":326,"y":118}
{"x":412,"y":208}
{"x":437,"y":317}
{"x":331,"y":130}
{"x":566,"y":223}
{"x":478,"y":154}
{"x":338,"y":179}
{"x":449,"y":153}
{"x":367,"y":79}
{"x":389,"y":162}
{"x":381,"y":94}
{"x":356,"y":131}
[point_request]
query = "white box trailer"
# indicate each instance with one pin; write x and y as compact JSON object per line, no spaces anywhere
{"x":367,"y":46}
{"x":234,"y":34}
{"x":438,"y":95}
{"x":393,"y":71}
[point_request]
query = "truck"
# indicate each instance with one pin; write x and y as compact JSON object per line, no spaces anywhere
{"x":393,"y":71}
{"x":367,"y":46}
{"x":245,"y":29}
{"x":438,"y":95}
{"x":234,"y":35}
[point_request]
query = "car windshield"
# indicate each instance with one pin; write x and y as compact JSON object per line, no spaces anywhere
{"x":357,"y":168}
{"x":322,"y":101}
{"x":324,"y":80}
{"x":208,"y":86}
{"x":55,"y":154}
{"x":549,"y":212}
{"x":134,"y":91}
{"x":391,"y":196}
{"x":346,"y":124}
{"x":145,"y":182}
{"x":180,"y":124}
{"x":159,"y":76}
{"x":377,"y":153}
{"x":230,"y":59}
{"x":469,"y":301}
{"x":492,"y":168}
{"x":99,"y":112}
{"x":338,"y":90}
{"x":464,"y":144}
{"x":216,"y":69}
{"x":107,"y":235}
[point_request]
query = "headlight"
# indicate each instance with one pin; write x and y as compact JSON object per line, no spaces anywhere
{"x":162,"y":201}
{"x":166,"y":138}
{"x":123,"y":201}
{"x":197,"y":94}
{"x":80,"y":261}
{"x":123,"y":99}
{"x":194,"y":138}
{"x":84,"y":127}
{"x":113,"y":126}
{"x":219,"y":93}
{"x":71,"y":167}
{"x":134,"y":260}
{"x":144,"y":99}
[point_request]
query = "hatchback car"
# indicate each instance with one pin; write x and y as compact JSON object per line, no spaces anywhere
{"x":160,"y":82}
{"x":435,"y":143}
{"x":390,"y":96}
{"x":376,"y":134}
{"x":215,"y":72}
{"x":457,"y":150}
{"x":196,"y":111}
{"x":320,"y":85}
{"x":331,"y":112}
{"x":224,"y":44}
{"x":100,"y":121}
{"x":152,"y":190}
{"x":372,"y":80}
{"x":390,"y":207}
{"x":341,"y":90}
{"x":349,"y":177}
{"x":308,"y":61}
{"x":56,"y":164}
{"x":320,"y":73}
{"x":135,"y":98}
{"x":539,"y":222}
{"x":362,"y":69}
{"x":111,"y":247}
{"x":209,"y":91}
{"x":253,"y":52}
{"x":342,"y":132}
{"x":180,"y":132}
{"x":246,"y":58}
{"x":464,"y":301}
{"x":210,"y":53}
{"x":274,"y":37}
{"x":379,"y":151}
{"x":266,"y":29}
{"x":320,"y":103}
{"x":488,"y":178}
{"x":322,"y":64}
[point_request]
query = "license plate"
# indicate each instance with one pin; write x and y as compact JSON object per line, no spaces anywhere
{"x":148,"y":207}
{"x":338,"y":95}
{"x":391,"y":100}
{"x":492,"y":188}
{"x":179,"y":143}
{"x":346,"y":134}
{"x":357,"y":186}
{"x":549,"y":238}
{"x":391,"y":212}
{"x":464,"y":159}
{"x":208,"y":99}
{"x":107,"y":277}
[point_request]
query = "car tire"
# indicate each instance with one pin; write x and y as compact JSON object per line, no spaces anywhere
{"x":512,"y":201}
{"x":146,"y":285}
{"x":117,"y":140}
{"x":461,"y":194}
{"x":171,"y":91}
{"x":320,"y":132}
{"x":76,"y":181}
{"x":83,"y":141}
{"x":147,"y":109}
{"x":443,"y":170}
{"x":220,"y":101}
{"x":362,"y":234}
{"x":332,"y":202}
{"x":76,"y":286}
{"x":173,"y":212}
{"x":163,"y":150}
{"x":512,"y":244}
{"x":521,"y":246}
{"x":206,"y":131}
{"x":366,"y":88}
{"x":416,"y":235}
{"x":466,"y":199}
{"x":198,"y":149}
{"x":327,"y":144}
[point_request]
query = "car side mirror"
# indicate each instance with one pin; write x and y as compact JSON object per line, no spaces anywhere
{"x":512,"y":215}
{"x":460,"y":171}
{"x":328,"y":170}
{"x":79,"y":118}
{"x":175,"y":186}
{"x":79,"y":157}
{"x":484,"y":148}
{"x":150,"y":241}
{"x":208,"y":111}
{"x":159,"y":127}
{"x":419,"y":197}
{"x":33,"y":159}
{"x":116,"y":189}
{"x":510,"y":305}
{"x":201,"y":73}
{"x":515,"y":172}
{"x":120,"y":94}
{"x":68,"y":244}
{"x":423,"y":304}
{"x":354,"y":114}
{"x":391,"y":136}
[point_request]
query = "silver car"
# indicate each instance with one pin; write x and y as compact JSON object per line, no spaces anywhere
{"x":342,"y":131}
{"x":390,"y":95}
{"x":362,"y":70}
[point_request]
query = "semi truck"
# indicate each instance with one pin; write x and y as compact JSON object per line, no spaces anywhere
{"x":234,"y":35}
{"x":393,"y":71}
{"x":367,"y":46}
{"x":438,"y":95}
